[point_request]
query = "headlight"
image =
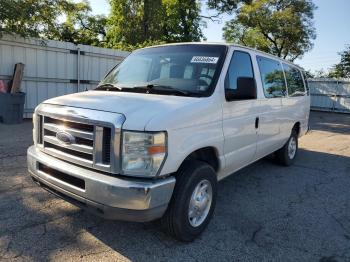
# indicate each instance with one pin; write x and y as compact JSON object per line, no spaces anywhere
{"x":143,"y":153}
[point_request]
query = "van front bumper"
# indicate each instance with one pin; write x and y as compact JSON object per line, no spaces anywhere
{"x":108,"y":196}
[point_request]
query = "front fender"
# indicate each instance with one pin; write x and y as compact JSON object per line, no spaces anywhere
{"x":182,"y":142}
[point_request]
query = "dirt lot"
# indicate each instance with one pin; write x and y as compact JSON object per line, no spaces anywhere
{"x":265,"y":212}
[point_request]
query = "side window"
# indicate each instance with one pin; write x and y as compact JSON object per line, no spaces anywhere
{"x":272,"y":77}
{"x":295,"y":81}
{"x":240,"y":66}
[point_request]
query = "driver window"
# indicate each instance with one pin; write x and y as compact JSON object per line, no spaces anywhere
{"x":240,"y":66}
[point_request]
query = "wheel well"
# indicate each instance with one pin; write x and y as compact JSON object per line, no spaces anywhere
{"x":296,"y":127}
{"x":208,"y":155}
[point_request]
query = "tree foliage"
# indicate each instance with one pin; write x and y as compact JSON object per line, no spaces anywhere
{"x":79,"y":26}
{"x":225,"y":6}
{"x":135,"y":23}
{"x":131,"y":23}
{"x":28,"y":17}
{"x":342,"y":70}
{"x":280,"y":27}
{"x":182,"y":21}
{"x":52,"y":19}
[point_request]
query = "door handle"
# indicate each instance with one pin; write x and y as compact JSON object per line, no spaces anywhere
{"x":257,"y":123}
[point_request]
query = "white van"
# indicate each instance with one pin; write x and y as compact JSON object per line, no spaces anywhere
{"x":152,"y":140}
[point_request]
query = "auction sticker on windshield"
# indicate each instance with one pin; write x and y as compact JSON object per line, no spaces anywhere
{"x":205,"y":59}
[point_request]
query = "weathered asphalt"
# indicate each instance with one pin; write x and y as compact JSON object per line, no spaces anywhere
{"x":265,"y":212}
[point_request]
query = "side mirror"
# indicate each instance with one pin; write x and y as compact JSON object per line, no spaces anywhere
{"x":246,"y":89}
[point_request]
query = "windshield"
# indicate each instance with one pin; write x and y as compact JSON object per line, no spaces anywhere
{"x":190,"y":70}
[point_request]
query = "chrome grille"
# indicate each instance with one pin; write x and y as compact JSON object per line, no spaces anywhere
{"x":96,"y":143}
{"x":84,"y":135}
{"x":83,"y":147}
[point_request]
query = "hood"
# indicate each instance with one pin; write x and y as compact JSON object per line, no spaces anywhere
{"x":137,"y":108}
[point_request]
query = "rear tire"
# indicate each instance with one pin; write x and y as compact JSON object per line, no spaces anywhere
{"x":287,"y":154}
{"x":193,"y":202}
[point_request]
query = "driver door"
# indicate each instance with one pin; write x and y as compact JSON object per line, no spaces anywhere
{"x":239,"y":116}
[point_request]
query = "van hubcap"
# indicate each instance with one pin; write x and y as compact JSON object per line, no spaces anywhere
{"x":292,"y":147}
{"x":200,"y":203}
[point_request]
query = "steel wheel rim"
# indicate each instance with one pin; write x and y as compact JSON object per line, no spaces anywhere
{"x":200,"y":203}
{"x":292,"y":147}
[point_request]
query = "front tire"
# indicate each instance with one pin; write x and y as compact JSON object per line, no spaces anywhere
{"x":193,"y":201}
{"x":287,"y":154}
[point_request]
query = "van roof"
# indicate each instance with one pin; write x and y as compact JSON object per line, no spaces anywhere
{"x":233,"y":45}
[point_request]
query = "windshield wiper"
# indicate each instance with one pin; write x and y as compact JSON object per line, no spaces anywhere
{"x":150,"y":87}
{"x":107,"y":86}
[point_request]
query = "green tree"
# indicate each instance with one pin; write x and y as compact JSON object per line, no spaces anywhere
{"x":132,"y":22}
{"x":342,"y":70}
{"x":79,"y":26}
{"x":137,"y":23}
{"x":43,"y":18}
{"x":280,"y":27}
{"x":28,"y":17}
{"x":182,"y":21}
{"x":225,"y":6}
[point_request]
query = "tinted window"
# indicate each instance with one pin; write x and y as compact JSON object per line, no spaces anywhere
{"x":240,"y":66}
{"x":295,"y":83}
{"x":272,"y":77}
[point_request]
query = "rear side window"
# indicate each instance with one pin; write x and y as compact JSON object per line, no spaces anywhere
{"x":272,"y":77}
{"x":240,"y":66}
{"x":295,"y":83}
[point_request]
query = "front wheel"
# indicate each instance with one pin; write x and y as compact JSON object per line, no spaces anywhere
{"x":193,"y":201}
{"x":287,"y":154}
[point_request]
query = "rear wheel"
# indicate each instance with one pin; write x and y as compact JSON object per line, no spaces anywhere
{"x":193,"y":201}
{"x":287,"y":154}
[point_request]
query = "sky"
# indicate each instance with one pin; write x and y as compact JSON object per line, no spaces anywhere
{"x":332,"y":23}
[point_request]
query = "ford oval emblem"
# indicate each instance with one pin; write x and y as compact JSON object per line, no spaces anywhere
{"x":65,"y":138}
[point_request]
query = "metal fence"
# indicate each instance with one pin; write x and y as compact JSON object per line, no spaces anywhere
{"x":330,"y":95}
{"x":54,"y":68}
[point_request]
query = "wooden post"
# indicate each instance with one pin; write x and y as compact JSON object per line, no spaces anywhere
{"x":17,"y":78}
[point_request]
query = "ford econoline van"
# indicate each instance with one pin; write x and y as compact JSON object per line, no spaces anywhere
{"x":153,"y":139}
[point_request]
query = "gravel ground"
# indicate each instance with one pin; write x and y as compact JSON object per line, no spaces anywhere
{"x":265,"y":212}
